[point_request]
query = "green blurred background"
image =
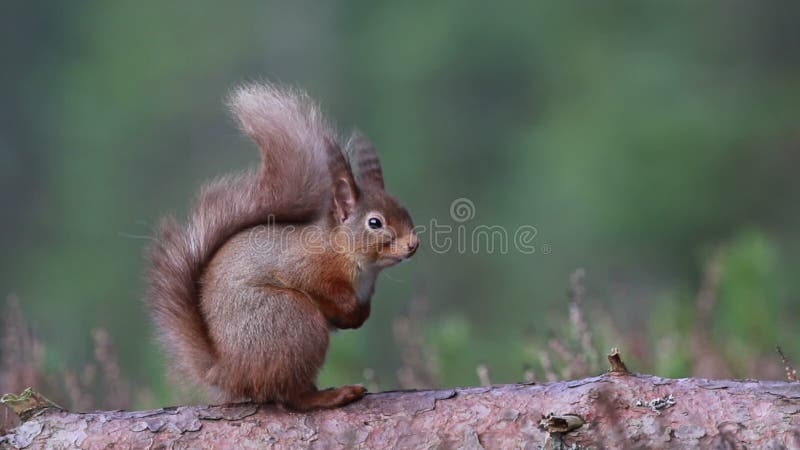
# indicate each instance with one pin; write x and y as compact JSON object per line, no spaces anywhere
{"x":639,"y":138}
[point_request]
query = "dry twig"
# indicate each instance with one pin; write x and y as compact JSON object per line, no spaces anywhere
{"x":791,"y":373}
{"x":617,"y":365}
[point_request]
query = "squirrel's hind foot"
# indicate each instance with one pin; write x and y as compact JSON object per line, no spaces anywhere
{"x":328,"y":398}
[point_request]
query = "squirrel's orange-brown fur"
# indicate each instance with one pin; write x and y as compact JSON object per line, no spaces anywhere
{"x":241,"y":302}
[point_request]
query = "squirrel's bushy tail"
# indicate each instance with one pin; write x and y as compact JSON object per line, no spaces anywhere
{"x":289,"y":185}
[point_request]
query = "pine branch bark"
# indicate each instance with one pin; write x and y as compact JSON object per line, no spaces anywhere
{"x":615,"y":410}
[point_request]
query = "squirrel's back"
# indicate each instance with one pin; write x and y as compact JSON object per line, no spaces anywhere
{"x":292,"y":184}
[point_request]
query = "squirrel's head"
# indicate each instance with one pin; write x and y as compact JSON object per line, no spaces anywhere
{"x":376,"y":228}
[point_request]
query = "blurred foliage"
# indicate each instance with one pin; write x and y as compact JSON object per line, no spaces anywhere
{"x":637,"y":137}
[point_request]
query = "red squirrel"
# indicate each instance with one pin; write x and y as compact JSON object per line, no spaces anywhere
{"x":244,"y":295}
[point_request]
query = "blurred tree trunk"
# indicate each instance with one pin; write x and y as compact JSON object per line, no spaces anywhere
{"x":608,"y":411}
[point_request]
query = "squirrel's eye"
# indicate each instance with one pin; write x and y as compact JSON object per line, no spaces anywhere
{"x":375,"y":223}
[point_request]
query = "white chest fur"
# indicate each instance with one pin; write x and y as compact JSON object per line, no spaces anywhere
{"x":365,"y":285}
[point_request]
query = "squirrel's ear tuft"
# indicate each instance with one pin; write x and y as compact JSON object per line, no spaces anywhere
{"x":368,"y":165}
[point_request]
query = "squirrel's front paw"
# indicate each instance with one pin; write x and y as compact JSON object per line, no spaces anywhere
{"x":352,"y":318}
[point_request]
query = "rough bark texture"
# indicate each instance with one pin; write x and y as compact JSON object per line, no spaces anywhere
{"x":610,"y":411}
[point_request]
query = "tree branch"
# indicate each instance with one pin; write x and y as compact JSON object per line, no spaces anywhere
{"x":608,"y":411}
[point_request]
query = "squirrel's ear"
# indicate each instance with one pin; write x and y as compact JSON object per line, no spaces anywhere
{"x":344,"y":199}
{"x":368,"y":172}
{"x":344,"y":188}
